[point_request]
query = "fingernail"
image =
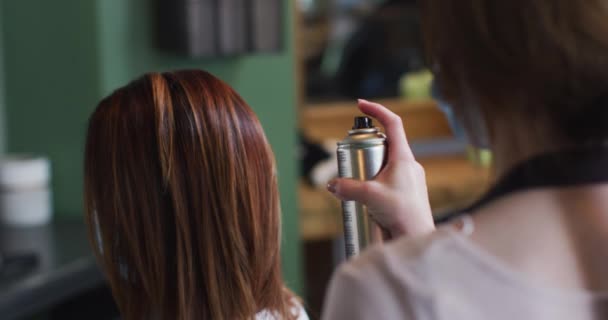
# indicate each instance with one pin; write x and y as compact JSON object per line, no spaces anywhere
{"x":361,"y":100}
{"x":332,"y":186}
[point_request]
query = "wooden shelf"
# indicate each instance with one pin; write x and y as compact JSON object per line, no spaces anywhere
{"x":422,"y":119}
{"x":398,"y":103}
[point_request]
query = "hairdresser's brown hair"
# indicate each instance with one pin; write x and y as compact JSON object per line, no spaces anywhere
{"x":544,"y":60}
{"x":182,"y":201}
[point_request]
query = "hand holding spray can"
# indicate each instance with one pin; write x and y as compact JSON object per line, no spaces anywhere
{"x":360,"y":156}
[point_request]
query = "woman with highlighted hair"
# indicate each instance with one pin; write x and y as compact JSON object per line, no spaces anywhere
{"x":182,"y":202}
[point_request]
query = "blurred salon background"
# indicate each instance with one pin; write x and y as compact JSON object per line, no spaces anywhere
{"x":300,"y":64}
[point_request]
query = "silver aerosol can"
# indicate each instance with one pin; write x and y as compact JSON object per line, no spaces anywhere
{"x":360,"y":156}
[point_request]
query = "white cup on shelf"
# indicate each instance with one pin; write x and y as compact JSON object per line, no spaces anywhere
{"x":25,"y":196}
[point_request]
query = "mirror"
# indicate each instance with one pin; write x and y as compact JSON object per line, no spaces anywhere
{"x":357,"y":48}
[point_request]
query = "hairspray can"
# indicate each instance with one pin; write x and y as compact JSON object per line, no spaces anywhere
{"x":360,"y":156}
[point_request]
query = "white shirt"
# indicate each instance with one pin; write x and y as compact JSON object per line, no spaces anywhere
{"x":267,"y":315}
{"x":446,"y":276}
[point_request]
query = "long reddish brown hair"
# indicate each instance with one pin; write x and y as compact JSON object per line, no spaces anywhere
{"x":182,"y":201}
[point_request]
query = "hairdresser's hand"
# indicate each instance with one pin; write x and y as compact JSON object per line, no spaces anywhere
{"x":397,"y":197}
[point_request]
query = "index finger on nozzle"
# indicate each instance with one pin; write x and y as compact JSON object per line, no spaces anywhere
{"x":398,"y":144}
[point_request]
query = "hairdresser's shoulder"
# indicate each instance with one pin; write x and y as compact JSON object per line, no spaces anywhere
{"x":390,"y":279}
{"x":399,"y":256}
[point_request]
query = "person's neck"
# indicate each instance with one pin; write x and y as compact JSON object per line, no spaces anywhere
{"x":511,"y":146}
{"x":507,"y":154}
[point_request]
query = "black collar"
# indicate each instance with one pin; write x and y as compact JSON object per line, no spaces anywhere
{"x":577,"y":166}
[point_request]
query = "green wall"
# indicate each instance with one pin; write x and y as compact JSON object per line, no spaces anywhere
{"x":65,"y":55}
{"x":51,"y":85}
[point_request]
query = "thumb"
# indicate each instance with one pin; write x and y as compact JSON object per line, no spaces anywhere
{"x":361,"y":191}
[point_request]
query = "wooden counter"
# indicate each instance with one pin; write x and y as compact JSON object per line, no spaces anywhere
{"x":452,"y":183}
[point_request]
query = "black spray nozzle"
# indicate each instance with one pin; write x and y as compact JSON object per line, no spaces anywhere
{"x":363,"y":123}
